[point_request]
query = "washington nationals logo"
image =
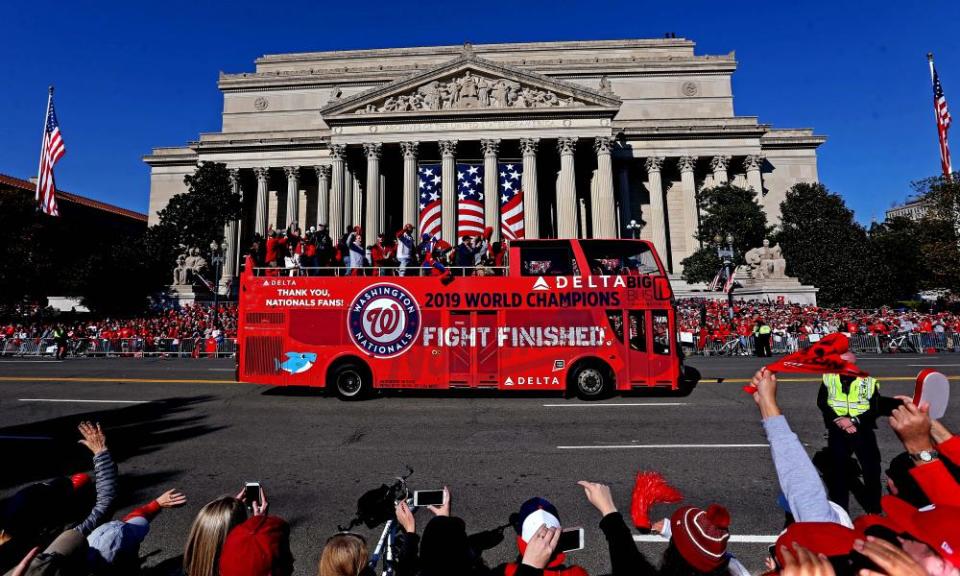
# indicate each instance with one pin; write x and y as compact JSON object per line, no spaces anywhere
{"x":384,"y":320}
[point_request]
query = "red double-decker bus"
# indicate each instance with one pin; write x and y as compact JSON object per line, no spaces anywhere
{"x":586,"y":317}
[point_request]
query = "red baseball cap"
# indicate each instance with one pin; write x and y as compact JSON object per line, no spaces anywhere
{"x":827,"y":538}
{"x":938,"y":528}
{"x":258,"y":547}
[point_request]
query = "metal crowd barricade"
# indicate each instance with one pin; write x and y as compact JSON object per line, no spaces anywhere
{"x":120,"y":347}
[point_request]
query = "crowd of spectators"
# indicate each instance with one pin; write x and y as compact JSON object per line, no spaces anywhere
{"x":315,"y":252}
{"x":153,"y":331}
{"x":714,"y":320}
{"x":63,"y":527}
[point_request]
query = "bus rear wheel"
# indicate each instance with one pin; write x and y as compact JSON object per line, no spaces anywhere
{"x":351,"y":381}
{"x":591,"y":381}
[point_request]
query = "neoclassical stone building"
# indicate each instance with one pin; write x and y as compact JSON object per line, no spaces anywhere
{"x":605,"y":131}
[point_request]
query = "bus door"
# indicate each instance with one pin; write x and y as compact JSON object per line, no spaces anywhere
{"x":475,"y":361}
{"x":638,"y":348}
{"x":663,"y":341}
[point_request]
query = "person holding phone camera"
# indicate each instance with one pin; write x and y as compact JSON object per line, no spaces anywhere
{"x":538,"y":534}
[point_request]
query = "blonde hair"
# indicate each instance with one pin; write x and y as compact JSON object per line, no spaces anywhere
{"x":210,"y":528}
{"x":344,"y":555}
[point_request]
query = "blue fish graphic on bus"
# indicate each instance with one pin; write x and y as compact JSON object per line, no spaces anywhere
{"x":297,"y":362}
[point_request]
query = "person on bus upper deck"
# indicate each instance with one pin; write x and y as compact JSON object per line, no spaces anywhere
{"x":324,"y":247}
{"x":356,"y":252}
{"x":382,"y":254}
{"x":466,"y":256}
{"x":483,"y":245}
{"x":406,"y":248}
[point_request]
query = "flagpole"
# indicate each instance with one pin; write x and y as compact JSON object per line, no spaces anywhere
{"x":948,"y":175}
{"x":43,"y":143}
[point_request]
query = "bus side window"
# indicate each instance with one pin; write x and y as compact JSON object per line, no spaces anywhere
{"x":548,"y":258}
{"x":615,"y":319}
{"x":661,"y":332}
{"x":638,"y":334}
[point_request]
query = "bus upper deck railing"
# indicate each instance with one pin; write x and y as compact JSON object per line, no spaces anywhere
{"x":411,"y":271}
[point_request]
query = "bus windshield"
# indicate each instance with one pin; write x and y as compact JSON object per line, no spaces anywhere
{"x":617,"y":257}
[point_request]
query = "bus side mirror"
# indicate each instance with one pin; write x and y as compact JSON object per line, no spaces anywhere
{"x":661,"y":288}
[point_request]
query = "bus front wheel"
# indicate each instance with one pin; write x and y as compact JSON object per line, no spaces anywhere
{"x":351,"y":381}
{"x":591,"y":381}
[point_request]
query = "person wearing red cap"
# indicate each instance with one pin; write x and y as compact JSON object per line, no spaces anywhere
{"x":926,"y":442}
{"x":931,"y":537}
{"x":258,"y":547}
{"x":538,"y":525}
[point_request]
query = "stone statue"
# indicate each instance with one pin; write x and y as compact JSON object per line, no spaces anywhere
{"x":180,"y":271}
{"x":467,"y":91}
{"x":605,"y":86}
{"x":193,"y":264}
{"x":766,"y":263}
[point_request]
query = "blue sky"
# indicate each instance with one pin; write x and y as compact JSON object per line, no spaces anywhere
{"x":132,"y":75}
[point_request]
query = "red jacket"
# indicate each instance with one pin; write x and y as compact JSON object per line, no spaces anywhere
{"x":935,"y":480}
{"x":556,"y":566}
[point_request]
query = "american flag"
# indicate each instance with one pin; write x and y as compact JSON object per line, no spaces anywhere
{"x":943,"y":122}
{"x":511,"y":201}
{"x":429,"y":175}
{"x":52,"y":150}
{"x":469,"y":200}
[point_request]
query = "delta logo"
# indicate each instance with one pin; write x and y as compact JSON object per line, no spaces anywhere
{"x":532,"y":381}
{"x":540,"y":284}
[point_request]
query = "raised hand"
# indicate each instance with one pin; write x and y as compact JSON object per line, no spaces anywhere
{"x":802,"y":562}
{"x":599,"y":495}
{"x":912,"y":425}
{"x":541,"y":546}
{"x":443,"y":509}
{"x":171,"y":499}
{"x":887,"y":557}
{"x":405,"y":517}
{"x":93,"y":437}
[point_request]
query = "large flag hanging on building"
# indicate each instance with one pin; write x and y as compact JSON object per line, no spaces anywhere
{"x":52,"y":150}
{"x":511,"y":200}
{"x":943,"y":119}
{"x":429,"y":185}
{"x":469,"y":200}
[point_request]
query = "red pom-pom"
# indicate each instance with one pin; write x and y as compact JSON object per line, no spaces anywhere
{"x":718,"y":516}
{"x":650,"y":488}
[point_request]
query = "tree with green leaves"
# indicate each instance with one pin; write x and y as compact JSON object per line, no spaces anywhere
{"x":825,"y":247}
{"x":725,"y":210}
{"x":938,"y":233}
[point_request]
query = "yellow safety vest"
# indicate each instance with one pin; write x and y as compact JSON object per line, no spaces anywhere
{"x":765,"y":329}
{"x":856,"y":401}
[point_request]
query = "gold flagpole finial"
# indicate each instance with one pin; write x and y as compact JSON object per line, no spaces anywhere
{"x":51,"y":89}
{"x":930,"y":56}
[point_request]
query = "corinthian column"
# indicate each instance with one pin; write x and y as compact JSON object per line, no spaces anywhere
{"x":349,"y":218}
{"x":603,"y":209}
{"x":448,"y":196}
{"x":261,"y":216}
{"x":336,"y":223}
{"x":491,"y":212}
{"x":323,"y":195}
{"x":719,"y":166}
{"x":372,"y":151}
{"x":626,"y":210}
{"x":752,"y":165}
{"x":293,"y":193}
{"x":230,"y":237}
{"x":691,"y":218}
{"x":567,"y":190}
{"x":410,"y":200}
{"x":658,"y":229}
{"x":531,"y":200}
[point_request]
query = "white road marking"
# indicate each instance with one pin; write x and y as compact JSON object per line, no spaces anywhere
{"x":930,"y":365}
{"x":83,"y":401}
{"x":659,"y":446}
{"x":15,"y":437}
{"x":742,"y":538}
{"x":31,"y":361}
{"x":221,"y":369}
{"x":608,"y":404}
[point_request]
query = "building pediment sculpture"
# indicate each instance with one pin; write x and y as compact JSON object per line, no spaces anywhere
{"x":765,"y":263}
{"x":470,"y":91}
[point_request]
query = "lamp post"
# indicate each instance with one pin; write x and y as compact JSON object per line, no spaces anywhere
{"x":726,"y":255}
{"x":217,"y":254}
{"x":634,"y":228}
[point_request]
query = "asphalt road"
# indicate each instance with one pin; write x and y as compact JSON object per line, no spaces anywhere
{"x":185,"y":424}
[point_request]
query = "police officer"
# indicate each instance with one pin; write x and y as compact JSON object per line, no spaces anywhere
{"x":850,"y":408}
{"x":761,"y":338}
